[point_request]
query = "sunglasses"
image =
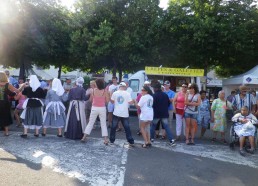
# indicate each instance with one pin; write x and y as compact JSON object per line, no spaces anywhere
{"x":184,"y":86}
{"x":143,"y":90}
{"x":190,"y":87}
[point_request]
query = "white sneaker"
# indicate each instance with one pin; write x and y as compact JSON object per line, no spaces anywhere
{"x":172,"y":143}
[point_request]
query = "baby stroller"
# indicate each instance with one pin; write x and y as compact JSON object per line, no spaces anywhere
{"x":234,"y":138}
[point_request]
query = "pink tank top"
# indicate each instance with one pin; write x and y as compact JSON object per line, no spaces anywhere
{"x":180,"y":101}
{"x":99,"y":101}
{"x":21,"y":101}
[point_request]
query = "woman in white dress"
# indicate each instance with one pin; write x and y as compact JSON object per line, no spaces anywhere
{"x":146,"y":116}
{"x":244,"y":127}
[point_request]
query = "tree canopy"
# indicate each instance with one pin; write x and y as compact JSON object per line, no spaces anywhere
{"x":126,"y":35}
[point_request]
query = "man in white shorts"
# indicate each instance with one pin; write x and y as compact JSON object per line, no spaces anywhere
{"x":112,"y":88}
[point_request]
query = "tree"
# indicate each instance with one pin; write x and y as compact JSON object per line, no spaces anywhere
{"x":213,"y":33}
{"x":120,"y":34}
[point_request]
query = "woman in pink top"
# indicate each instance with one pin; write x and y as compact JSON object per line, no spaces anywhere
{"x":99,"y":98}
{"x":21,"y":98}
{"x":179,"y":104}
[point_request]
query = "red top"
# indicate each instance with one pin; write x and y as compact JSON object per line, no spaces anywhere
{"x":180,"y":101}
{"x":99,"y":101}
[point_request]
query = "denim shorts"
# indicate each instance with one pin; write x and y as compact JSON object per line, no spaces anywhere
{"x":192,"y":116}
{"x":110,"y":107}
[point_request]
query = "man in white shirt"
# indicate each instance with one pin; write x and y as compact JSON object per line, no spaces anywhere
{"x":121,"y":100}
{"x":128,"y":89}
{"x":111,"y":89}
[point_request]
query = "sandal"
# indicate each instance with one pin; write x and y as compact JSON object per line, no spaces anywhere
{"x":148,"y":144}
{"x":118,"y":130}
{"x":144,"y":145}
{"x":43,"y":134}
{"x":84,"y":140}
{"x":24,"y":135}
{"x":163,"y":137}
{"x":224,"y":141}
{"x":36,"y":135}
{"x":192,"y":142}
{"x":105,"y":142}
{"x":187,"y":142}
{"x":213,"y":140}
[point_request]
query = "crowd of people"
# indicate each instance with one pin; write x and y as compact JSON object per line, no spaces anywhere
{"x":72,"y":110}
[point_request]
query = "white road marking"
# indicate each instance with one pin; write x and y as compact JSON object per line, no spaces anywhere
{"x":97,"y":164}
{"x":92,"y":162}
{"x":218,"y":152}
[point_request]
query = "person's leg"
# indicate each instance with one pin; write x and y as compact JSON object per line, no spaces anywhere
{"x":93,"y":115}
{"x":110,"y":115}
{"x":187,"y":129}
{"x":170,"y":119}
{"x":144,"y":135}
{"x":125,"y":122}
{"x":139,"y":124}
{"x":44,"y":131}
{"x":223,"y":137}
{"x":179,"y":123}
{"x":102,"y":117}
{"x":17,"y":117}
{"x":153,"y":127}
{"x":193,"y":124}
{"x":59,"y":130}
{"x":6,"y":131}
{"x":251,"y":140}
{"x":25,"y":131}
{"x":214,"y":136}
{"x":164,"y":122}
{"x":36,"y":131}
{"x":147,"y":129}
{"x":242,"y":142}
{"x":157,"y":129}
{"x":163,"y":131}
{"x":115,"y":121}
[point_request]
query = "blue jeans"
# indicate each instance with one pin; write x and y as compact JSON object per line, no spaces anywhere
{"x":164,"y":122}
{"x":125,"y":123}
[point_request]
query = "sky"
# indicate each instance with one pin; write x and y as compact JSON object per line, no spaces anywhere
{"x":69,"y":3}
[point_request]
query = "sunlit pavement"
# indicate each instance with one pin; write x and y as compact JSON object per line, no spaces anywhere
{"x":93,"y":163}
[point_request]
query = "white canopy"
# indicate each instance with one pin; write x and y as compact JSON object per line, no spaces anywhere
{"x":250,"y":77}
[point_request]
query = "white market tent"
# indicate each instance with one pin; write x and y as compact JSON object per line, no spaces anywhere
{"x":249,"y":78}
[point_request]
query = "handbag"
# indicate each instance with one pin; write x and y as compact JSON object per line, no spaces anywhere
{"x":229,"y":113}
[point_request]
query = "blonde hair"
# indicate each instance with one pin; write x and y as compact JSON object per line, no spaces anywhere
{"x":93,"y":82}
{"x":3,"y":77}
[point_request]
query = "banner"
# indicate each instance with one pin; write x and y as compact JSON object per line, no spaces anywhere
{"x":174,"y":71}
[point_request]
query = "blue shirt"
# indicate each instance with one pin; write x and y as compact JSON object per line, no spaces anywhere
{"x":160,"y":104}
{"x":171,"y":94}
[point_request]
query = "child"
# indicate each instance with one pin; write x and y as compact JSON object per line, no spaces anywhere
{"x":18,"y":110}
{"x":244,"y":128}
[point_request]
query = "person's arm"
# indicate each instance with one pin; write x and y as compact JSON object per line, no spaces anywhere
{"x":174,"y":101}
{"x":198,"y":101}
{"x":107,"y":96}
{"x":186,"y":99}
{"x":112,"y":99}
{"x":13,"y":89}
{"x":17,"y":96}
{"x":253,"y":104}
{"x":213,"y":108}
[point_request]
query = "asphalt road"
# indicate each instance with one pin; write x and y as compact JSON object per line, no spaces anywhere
{"x":53,"y":161}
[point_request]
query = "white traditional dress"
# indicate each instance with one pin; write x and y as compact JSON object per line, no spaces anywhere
{"x":246,"y":129}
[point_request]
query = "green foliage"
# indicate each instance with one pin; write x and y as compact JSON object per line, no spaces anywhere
{"x":126,"y":35}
